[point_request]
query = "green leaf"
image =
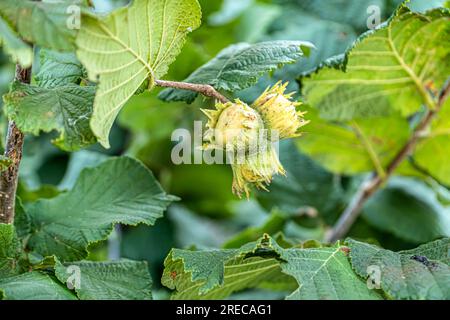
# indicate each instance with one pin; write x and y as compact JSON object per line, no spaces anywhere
{"x":67,"y":109}
{"x":9,"y":250}
{"x":215,"y":274}
{"x":432,"y":153}
{"x":58,"y":69}
{"x":19,"y":51}
{"x":295,"y":23}
{"x":389,"y":69}
{"x":436,"y":250}
{"x":325,"y":274}
{"x":44,"y":23}
{"x":115,"y":280}
{"x":404,"y":275}
{"x":355,"y":146}
{"x":120,"y":190}
{"x":321,"y":273}
{"x":21,"y":221}
{"x":240,"y":66}
{"x":410,"y":210}
{"x":130,"y":46}
{"x":34,"y":286}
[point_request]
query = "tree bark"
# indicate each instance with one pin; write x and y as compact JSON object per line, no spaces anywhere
{"x":13,"y":151}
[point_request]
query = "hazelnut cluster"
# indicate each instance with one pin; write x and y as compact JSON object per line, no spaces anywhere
{"x":246,"y":133}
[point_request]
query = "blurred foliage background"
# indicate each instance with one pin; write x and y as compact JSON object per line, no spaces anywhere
{"x":302,"y":206}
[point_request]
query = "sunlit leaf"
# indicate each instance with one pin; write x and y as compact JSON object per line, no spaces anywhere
{"x":130,"y":46}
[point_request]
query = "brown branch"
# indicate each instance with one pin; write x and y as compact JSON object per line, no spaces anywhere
{"x":373,"y":184}
{"x":203,"y":89}
{"x":13,"y":151}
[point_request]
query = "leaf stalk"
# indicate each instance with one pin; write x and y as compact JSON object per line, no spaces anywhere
{"x":203,"y":89}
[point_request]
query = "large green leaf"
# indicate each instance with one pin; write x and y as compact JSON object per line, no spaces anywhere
{"x":354,"y":146}
{"x":325,"y":274}
{"x":19,"y":51}
{"x":130,"y":46}
{"x":437,"y":250}
{"x":115,"y":280}
{"x":9,"y":250}
{"x":34,"y":286}
{"x":215,"y":274}
{"x":120,"y":190}
{"x":391,"y":68}
{"x":296,"y":23}
{"x":433,"y":152}
{"x":58,"y":69}
{"x":240,"y":66}
{"x":44,"y":23}
{"x":66,"y":109}
{"x":410,"y":210}
{"x":321,"y":273}
{"x":405,"y":275}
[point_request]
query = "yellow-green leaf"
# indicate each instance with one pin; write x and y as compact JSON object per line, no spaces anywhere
{"x":129,"y":47}
{"x":397,"y":67}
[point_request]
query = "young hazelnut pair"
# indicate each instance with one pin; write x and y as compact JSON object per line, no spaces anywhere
{"x":246,"y":133}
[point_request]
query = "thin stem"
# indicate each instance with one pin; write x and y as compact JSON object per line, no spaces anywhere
{"x":373,"y":184}
{"x":203,"y":89}
{"x":13,"y":150}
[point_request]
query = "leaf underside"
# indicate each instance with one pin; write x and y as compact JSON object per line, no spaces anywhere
{"x":355,"y":146}
{"x":130,"y":46}
{"x":396,"y":68}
